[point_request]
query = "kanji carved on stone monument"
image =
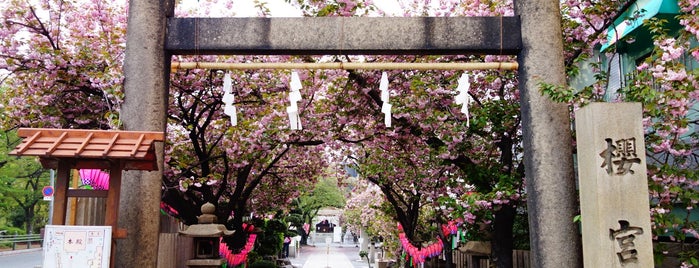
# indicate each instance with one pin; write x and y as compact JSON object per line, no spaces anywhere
{"x":619,"y":156}
{"x":625,"y":236}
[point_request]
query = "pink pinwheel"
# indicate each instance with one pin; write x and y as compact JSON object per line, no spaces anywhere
{"x":97,"y":179}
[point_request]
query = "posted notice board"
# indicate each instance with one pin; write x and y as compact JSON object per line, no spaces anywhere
{"x":77,"y":246}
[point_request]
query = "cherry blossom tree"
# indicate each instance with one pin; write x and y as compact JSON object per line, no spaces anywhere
{"x":60,"y":67}
{"x":432,"y":157}
{"x":259,"y":165}
{"x":62,"y":60}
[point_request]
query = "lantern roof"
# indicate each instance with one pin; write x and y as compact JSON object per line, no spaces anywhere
{"x":83,"y":148}
{"x":206,"y":226}
{"x":207,"y":230}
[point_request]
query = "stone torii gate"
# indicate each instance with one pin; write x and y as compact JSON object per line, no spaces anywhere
{"x":154,"y":35}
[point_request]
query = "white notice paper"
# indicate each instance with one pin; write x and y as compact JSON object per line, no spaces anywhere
{"x":77,"y":246}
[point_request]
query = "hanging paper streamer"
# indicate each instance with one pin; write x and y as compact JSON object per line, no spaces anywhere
{"x":386,"y":107}
{"x":293,"y":113}
{"x":294,"y":98}
{"x":463,"y":98}
{"x":295,"y":83}
{"x":229,"y":99}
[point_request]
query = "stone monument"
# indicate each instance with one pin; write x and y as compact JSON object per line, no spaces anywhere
{"x":613,"y":186}
{"x":207,"y":235}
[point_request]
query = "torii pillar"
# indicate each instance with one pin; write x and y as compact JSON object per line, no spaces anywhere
{"x":548,"y":157}
{"x":146,"y":72}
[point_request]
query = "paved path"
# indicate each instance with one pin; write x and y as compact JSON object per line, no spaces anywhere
{"x":322,"y":256}
{"x":25,"y":258}
{"x":337,"y":259}
{"x":319,"y":256}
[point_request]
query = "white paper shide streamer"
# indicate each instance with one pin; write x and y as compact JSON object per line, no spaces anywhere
{"x":463,"y":98}
{"x":386,"y":107}
{"x":294,"y":98}
{"x":229,"y":99}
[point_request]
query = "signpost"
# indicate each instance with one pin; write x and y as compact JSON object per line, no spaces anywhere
{"x":48,"y":193}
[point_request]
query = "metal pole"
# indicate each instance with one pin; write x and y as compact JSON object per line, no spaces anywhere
{"x":52,"y":178}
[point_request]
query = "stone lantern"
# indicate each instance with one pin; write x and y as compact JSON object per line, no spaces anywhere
{"x":206,"y":235}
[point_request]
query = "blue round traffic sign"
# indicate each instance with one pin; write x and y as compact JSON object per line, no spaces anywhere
{"x":47,"y":191}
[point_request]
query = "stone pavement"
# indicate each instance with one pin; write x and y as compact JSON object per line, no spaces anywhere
{"x":333,"y":256}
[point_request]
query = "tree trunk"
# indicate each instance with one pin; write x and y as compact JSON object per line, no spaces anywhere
{"x":304,"y":237}
{"x":28,"y":219}
{"x":503,"y":241}
{"x":447,"y":251}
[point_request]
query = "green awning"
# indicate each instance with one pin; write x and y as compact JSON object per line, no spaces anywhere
{"x":631,"y":21}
